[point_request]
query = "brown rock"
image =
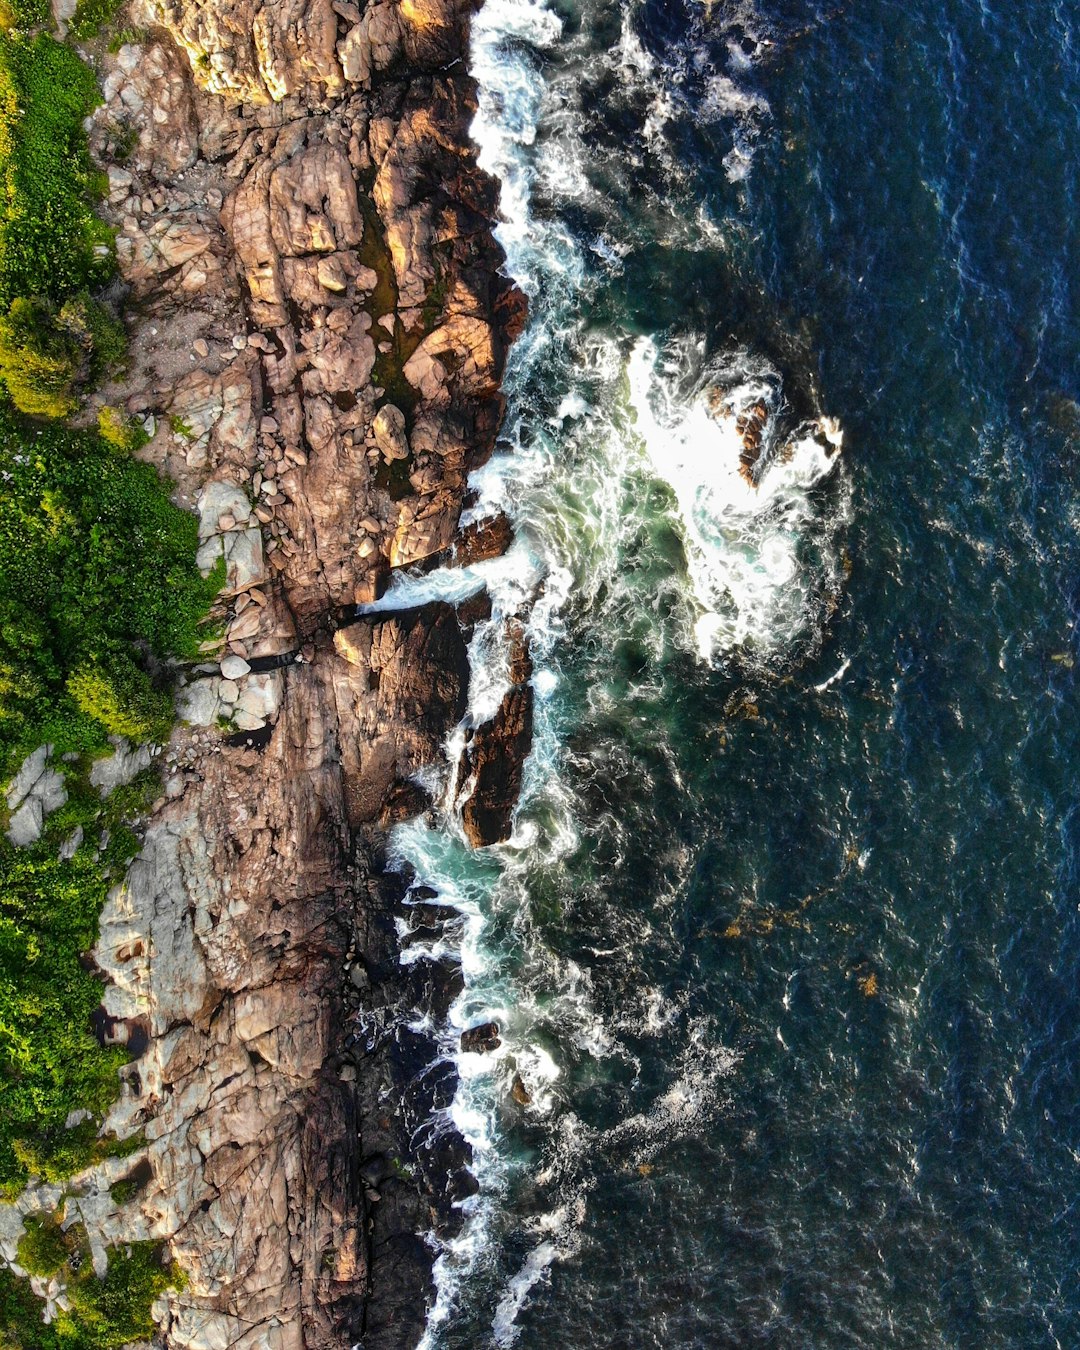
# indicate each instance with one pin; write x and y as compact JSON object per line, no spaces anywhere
{"x":259,"y":883}
{"x":496,"y":756}
{"x":389,"y":431}
{"x":481,"y":1039}
{"x":483,"y":539}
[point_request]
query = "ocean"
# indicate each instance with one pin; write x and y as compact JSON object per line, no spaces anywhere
{"x":785,"y":949}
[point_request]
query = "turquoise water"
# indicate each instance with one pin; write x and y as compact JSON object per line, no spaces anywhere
{"x":785,"y":947}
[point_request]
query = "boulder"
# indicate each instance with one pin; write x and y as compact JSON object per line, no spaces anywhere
{"x":483,"y":539}
{"x":125,"y":763}
{"x":234,"y":668}
{"x":34,"y":793}
{"x":481,"y":1039}
{"x":388,"y":428}
{"x":494,"y":759}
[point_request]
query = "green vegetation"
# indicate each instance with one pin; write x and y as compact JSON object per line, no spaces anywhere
{"x":91,"y":16}
{"x":50,"y":1062}
{"x":53,"y":249}
{"x":44,"y":1248}
{"x":98,"y":592}
{"x":179,"y":427}
{"x":123,"y":36}
{"x":25,"y":14}
{"x":96,"y":566}
{"x":120,"y":431}
{"x":122,"y":1192}
{"x":118,"y":694}
{"x":104,"y":1313}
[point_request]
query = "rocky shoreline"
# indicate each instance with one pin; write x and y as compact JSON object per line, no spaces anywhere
{"x":320,"y":329}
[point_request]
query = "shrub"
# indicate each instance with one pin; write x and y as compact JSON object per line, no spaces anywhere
{"x":48,"y":230}
{"x":116,"y":693}
{"x":120,"y":431}
{"x":99,"y":335}
{"x":50,"y":1062}
{"x":123,"y":1191}
{"x":94,"y":559}
{"x":104,"y":1314}
{"x":39,"y":360}
{"x":53,"y":249}
{"x":116,"y":1310}
{"x":44,"y":1248}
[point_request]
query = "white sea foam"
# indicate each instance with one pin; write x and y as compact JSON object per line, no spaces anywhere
{"x":742,"y":532}
{"x":582,"y":485}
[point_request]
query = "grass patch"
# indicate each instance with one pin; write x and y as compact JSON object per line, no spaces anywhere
{"x":180,"y":428}
{"x":123,"y":36}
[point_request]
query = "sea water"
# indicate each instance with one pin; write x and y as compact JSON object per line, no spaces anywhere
{"x":784,"y":949}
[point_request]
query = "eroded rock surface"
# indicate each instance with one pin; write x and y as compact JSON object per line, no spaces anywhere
{"x":322,"y":332}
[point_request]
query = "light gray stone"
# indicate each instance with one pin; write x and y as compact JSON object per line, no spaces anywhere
{"x":234,"y":668}
{"x":125,"y":763}
{"x":215,"y":500}
{"x":197,"y":703}
{"x":245,"y":565}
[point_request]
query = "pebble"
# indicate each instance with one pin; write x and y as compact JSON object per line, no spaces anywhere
{"x":201,"y":347}
{"x":214,"y":199}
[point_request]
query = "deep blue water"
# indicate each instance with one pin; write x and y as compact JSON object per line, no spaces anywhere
{"x":867,"y":888}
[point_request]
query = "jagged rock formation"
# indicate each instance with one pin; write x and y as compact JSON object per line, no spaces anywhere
{"x":496,"y":750}
{"x":322,"y":333}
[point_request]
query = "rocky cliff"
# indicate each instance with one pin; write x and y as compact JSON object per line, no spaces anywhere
{"x":321,"y":329}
